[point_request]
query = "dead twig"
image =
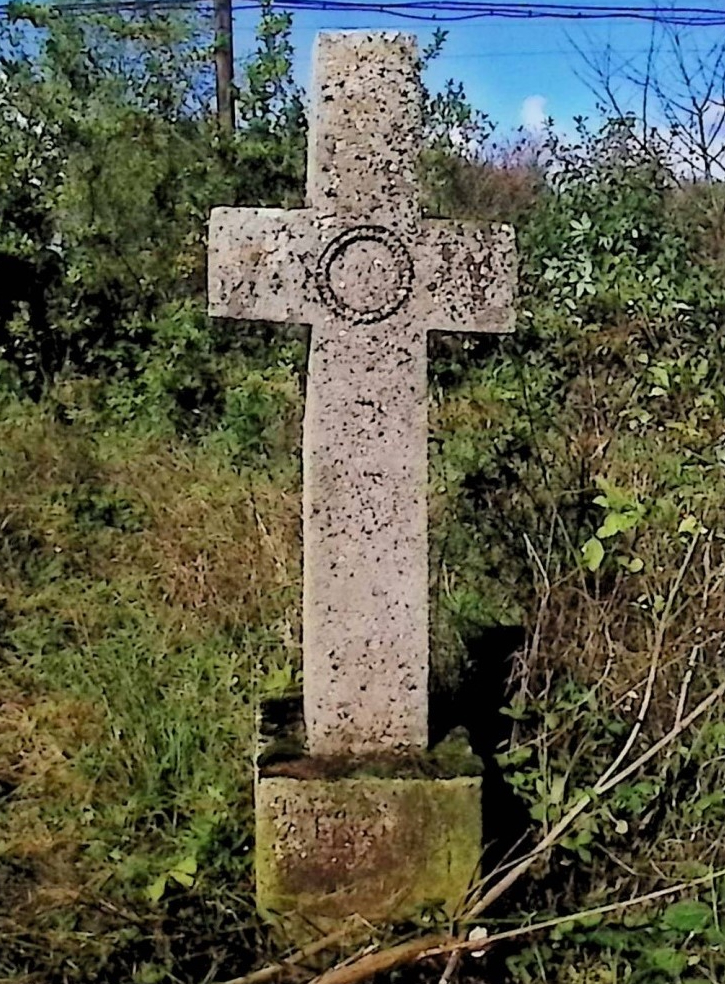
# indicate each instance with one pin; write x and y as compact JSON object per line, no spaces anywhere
{"x":425,"y":948}
{"x":396,"y":956}
{"x":697,"y":648}
{"x":270,"y":973}
{"x":602,"y":786}
{"x":463,"y":946}
{"x":686,"y":681}
{"x":659,"y":641}
{"x":611,"y":777}
{"x":451,"y":967}
{"x":385,"y":960}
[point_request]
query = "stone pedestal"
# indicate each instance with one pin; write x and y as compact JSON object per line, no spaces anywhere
{"x":383,"y":848}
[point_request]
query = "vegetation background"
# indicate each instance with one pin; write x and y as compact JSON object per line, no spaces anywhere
{"x":149,"y":503}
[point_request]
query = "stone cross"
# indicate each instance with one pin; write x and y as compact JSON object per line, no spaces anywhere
{"x":372,"y":278}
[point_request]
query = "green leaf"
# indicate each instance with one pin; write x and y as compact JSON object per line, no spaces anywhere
{"x":691,"y":525}
{"x":156,"y":889}
{"x":188,"y":865}
{"x":590,"y":919}
{"x":668,"y":960}
{"x":517,"y":712}
{"x":617,"y":523}
{"x":610,"y":526}
{"x":183,"y":873}
{"x":660,"y":376}
{"x":593,"y":554}
{"x":631,"y":564}
{"x":711,"y":802}
{"x":556,"y":793}
{"x":688,"y":916}
{"x":517,"y":756}
{"x":564,"y":929}
{"x":181,"y":878}
{"x":538,"y":811}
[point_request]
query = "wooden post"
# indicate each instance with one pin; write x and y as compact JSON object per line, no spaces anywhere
{"x":224,"y":60}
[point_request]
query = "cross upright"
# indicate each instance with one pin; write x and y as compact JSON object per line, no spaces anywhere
{"x":371,"y":277}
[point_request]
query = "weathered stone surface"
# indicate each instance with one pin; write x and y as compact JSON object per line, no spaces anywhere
{"x":371,"y":278}
{"x":365,"y":127}
{"x":285,"y":265}
{"x":378,"y":847}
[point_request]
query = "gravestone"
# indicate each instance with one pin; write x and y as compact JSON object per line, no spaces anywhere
{"x":372,"y":278}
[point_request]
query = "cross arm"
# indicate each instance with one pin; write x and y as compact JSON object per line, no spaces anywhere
{"x":466,"y":277}
{"x":259,"y":260}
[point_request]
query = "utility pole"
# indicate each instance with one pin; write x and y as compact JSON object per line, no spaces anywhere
{"x":224,"y":60}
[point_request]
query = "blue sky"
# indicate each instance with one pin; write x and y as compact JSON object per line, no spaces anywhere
{"x":516,"y":71}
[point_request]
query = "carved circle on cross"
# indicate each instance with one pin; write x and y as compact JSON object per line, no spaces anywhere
{"x":365,"y":274}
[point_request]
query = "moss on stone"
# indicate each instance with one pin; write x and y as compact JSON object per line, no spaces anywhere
{"x":449,"y":759}
{"x":381,"y":847}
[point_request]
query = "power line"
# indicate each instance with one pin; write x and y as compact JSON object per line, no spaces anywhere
{"x":468,"y":9}
{"x":429,"y":11}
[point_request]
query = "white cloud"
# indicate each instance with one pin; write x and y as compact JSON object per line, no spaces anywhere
{"x":533,"y":114}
